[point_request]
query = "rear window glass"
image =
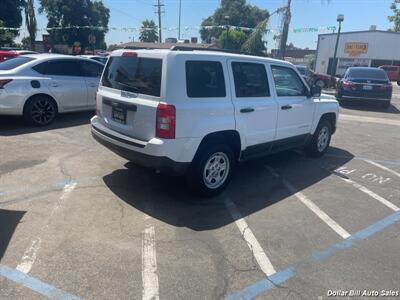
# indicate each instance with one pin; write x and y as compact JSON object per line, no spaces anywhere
{"x":205,"y":79}
{"x":134,"y":74}
{"x":250,"y":80}
{"x":367,"y":73}
{"x":15,"y":62}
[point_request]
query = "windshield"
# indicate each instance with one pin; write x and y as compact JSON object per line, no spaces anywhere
{"x":372,"y":73}
{"x":134,"y":74}
{"x":302,"y":70}
{"x":15,"y":62}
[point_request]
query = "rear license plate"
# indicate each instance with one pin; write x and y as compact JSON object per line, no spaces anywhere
{"x":367,"y":87}
{"x":118,"y":114}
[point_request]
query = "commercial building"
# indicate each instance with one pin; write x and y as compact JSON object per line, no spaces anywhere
{"x":372,"y":48}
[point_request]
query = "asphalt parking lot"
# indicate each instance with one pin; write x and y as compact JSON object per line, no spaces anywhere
{"x":78,"y":222}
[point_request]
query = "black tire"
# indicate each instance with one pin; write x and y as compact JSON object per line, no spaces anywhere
{"x":40,"y":110}
{"x":196,"y":175}
{"x":317,"y":147}
{"x":386,"y":104}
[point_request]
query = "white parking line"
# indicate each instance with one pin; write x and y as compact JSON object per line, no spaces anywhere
{"x":29,"y":257}
{"x":263,"y":261}
{"x":312,"y":206}
{"x":382,"y":167}
{"x":149,"y":265}
{"x":368,"y":192}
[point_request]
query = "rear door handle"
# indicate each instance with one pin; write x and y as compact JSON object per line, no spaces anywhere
{"x":54,"y":84}
{"x":247,"y":110}
{"x":285,"y":107}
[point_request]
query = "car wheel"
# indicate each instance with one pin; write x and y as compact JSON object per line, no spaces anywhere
{"x":320,"y":140}
{"x":40,"y":111}
{"x":386,"y":104}
{"x":320,"y":83}
{"x":211,"y":169}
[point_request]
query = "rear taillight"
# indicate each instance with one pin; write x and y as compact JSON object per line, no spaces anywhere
{"x":387,"y":87}
{"x":165,"y":121}
{"x":3,"y":82}
{"x":348,"y":84}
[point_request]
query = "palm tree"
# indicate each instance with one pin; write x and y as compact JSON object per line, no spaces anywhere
{"x":148,"y":32}
{"x":31,"y":24}
{"x":254,"y":43}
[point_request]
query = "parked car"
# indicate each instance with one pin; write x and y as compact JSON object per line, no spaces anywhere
{"x":312,"y":78}
{"x":304,"y":72}
{"x":99,"y":58}
{"x":365,"y":84}
{"x":6,"y":54}
{"x":198,"y":113}
{"x":39,"y":86}
{"x":393,"y":72}
{"x":25,"y":52}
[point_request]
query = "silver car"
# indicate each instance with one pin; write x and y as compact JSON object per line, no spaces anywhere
{"x":39,"y":86}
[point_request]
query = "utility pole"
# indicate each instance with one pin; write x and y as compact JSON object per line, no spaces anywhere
{"x":340,"y":19}
{"x":158,"y":6}
{"x":285,"y":31}
{"x":180,"y":13}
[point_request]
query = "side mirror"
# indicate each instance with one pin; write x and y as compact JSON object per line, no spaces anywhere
{"x":315,"y":91}
{"x":398,"y":83}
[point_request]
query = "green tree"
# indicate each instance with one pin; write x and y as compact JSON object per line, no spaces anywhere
{"x":232,"y":39}
{"x":31,"y":24}
{"x":148,"y":32}
{"x":10,"y":16}
{"x":395,"y":18}
{"x":240,"y":14}
{"x":26,"y":43}
{"x":69,"y":13}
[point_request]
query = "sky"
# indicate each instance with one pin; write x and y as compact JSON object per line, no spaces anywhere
{"x":359,"y":15}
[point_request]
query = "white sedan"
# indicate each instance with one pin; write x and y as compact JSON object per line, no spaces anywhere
{"x":39,"y":86}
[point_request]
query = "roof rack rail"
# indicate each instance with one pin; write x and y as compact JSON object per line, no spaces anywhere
{"x":188,"y":48}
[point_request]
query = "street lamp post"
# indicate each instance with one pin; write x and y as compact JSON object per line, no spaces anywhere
{"x":227,"y":30}
{"x":180,"y":15}
{"x":340,"y":19}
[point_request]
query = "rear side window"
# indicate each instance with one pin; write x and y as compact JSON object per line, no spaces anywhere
{"x":250,"y":80}
{"x":205,"y":79}
{"x":134,"y":74}
{"x":15,"y":62}
{"x":63,"y":68}
{"x":287,"y":82}
{"x":90,"y":69}
{"x":370,"y":73}
{"x":40,"y":68}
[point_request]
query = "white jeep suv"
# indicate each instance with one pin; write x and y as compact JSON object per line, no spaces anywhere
{"x":198,"y":113}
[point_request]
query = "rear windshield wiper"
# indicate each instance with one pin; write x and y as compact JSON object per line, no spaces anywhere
{"x":133,"y":89}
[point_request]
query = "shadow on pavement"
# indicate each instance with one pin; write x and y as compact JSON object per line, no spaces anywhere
{"x":370,"y":106}
{"x":12,"y":125}
{"x":9,"y":220}
{"x":252,"y":188}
